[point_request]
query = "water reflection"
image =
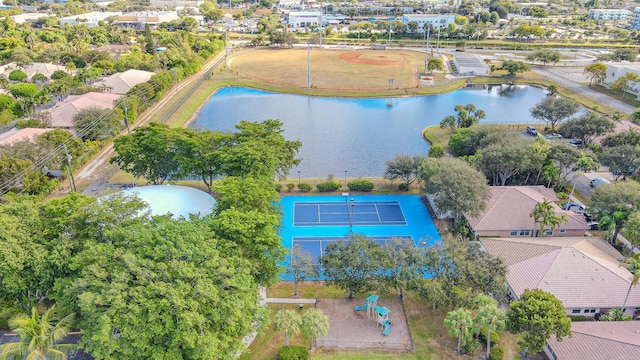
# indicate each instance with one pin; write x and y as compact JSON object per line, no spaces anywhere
{"x":360,"y":135}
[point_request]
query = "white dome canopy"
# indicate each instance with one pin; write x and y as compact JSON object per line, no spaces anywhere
{"x":175,"y":199}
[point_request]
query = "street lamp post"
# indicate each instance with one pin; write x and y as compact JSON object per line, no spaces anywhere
{"x":426,"y":40}
{"x":349,"y":211}
{"x":298,"y":180}
{"x":345,"y":179}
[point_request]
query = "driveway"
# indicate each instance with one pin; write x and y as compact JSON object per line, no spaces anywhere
{"x":585,"y":90}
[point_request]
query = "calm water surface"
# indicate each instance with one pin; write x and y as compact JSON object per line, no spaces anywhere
{"x":360,"y":135}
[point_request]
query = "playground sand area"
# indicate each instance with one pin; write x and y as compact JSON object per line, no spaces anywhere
{"x":349,"y":329}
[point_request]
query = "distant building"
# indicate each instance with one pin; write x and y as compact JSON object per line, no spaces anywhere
{"x":46,"y":69}
{"x":138,"y":20}
{"x":303,"y":19}
{"x":165,"y":4}
{"x":62,"y":115}
{"x":437,"y":21}
{"x":609,"y":14}
{"x":291,"y":4}
{"x":29,"y":17}
{"x":90,"y":19}
{"x":616,"y":70}
{"x":115,"y":50}
{"x":635,"y":19}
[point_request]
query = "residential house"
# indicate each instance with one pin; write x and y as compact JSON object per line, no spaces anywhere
{"x":635,"y":19}
{"x":46,"y":69}
{"x":304,"y":19}
{"x":16,"y":135}
{"x":610,"y":340}
{"x":585,"y":273}
{"x":121,"y":83}
{"x":166,"y":4}
{"x":62,"y":114}
{"x":508,"y":214}
{"x":29,"y":17}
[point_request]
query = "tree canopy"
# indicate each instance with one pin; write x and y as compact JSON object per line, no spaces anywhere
{"x":553,"y":110}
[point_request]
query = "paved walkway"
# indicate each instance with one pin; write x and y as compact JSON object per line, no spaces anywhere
{"x":586,"y":91}
{"x":290,"y":301}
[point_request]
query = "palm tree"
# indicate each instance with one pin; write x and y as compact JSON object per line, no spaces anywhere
{"x":38,"y":337}
{"x":545,"y":216}
{"x":288,"y":322}
{"x":494,"y":319}
{"x":314,"y":323}
{"x":632,"y":264}
{"x":459,"y":323}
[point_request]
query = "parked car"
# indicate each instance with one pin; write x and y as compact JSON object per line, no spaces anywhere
{"x":532,"y":131}
{"x":593,"y":225}
{"x":554,"y":136}
{"x":588,"y":217}
{"x":575,"y":142}
{"x":570,"y":204}
{"x":597,"y":182}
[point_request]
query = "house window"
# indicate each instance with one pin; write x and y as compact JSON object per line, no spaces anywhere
{"x":586,"y":311}
{"x":562,"y":231}
{"x":549,"y":232}
{"x":592,"y":311}
{"x":575,"y":311}
{"x":525,"y":232}
{"x":514,"y":233}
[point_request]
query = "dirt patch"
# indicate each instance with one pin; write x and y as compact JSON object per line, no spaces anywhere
{"x":350,"y":329}
{"x":354,"y":57}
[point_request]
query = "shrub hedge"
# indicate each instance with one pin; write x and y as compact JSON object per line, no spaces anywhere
{"x":360,"y":185}
{"x":328,"y":186}
{"x":294,"y":352}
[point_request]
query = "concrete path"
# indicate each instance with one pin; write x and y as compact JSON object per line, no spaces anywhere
{"x":290,"y":301}
{"x":586,"y":91}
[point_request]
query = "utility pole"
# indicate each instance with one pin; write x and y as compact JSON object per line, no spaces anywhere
{"x":389,"y":32}
{"x":72,"y":183}
{"x":226,"y":41}
{"x":426,"y":50}
{"x":126,"y":117}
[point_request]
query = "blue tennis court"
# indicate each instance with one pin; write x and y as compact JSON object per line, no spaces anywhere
{"x":315,"y":246}
{"x":348,"y":213}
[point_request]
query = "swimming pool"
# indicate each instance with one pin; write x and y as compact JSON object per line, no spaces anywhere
{"x":315,"y":221}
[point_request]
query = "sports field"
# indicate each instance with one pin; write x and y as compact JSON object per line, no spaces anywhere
{"x":332,"y":69}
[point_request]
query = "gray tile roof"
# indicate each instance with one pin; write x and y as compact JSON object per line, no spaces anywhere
{"x":581,"y":272}
{"x":599,"y":340}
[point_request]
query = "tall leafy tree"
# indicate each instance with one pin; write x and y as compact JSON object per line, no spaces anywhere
{"x":622,"y":160}
{"x":597,"y":72}
{"x":164,"y":282}
{"x":354,"y":265}
{"x":613,"y":204}
{"x":148,"y":152}
{"x":314,"y":323}
{"x":300,"y":267}
{"x":455,"y":186}
{"x":404,"y":167}
{"x":545,"y":56}
{"x":538,"y":315}
{"x":553,"y":110}
{"x":506,"y":158}
{"x":623,"y":83}
{"x":587,"y":127}
{"x":288,"y":322}
{"x":201,"y":153}
{"x":94,"y":123}
{"x":404,"y":264}
{"x":545,"y":216}
{"x":260,"y":149}
{"x":39,"y":336}
{"x":514,"y":67}
{"x":459,"y":324}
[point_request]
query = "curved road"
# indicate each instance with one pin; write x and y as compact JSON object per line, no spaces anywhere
{"x":587,"y":91}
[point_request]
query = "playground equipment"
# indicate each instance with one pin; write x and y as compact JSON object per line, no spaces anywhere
{"x":371,"y":301}
{"x":381,"y":312}
{"x":383,"y":319}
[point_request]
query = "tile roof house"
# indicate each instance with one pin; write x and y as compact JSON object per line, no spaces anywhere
{"x":62,"y":114}
{"x":115,"y":50}
{"x":508,"y":213}
{"x":121,"y":83}
{"x":598,"y":340}
{"x":585,"y":273}
{"x":46,"y":69}
{"x":15,"y":135}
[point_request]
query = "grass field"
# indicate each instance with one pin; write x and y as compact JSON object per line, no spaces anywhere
{"x":337,"y":69}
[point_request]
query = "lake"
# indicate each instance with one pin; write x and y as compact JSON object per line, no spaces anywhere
{"x":359,"y":135}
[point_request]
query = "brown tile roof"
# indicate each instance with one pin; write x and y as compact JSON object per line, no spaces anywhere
{"x":510,"y":207}
{"x":62,"y":115}
{"x":599,"y":340}
{"x":46,"y":69}
{"x":581,"y":272}
{"x":113,"y":47}
{"x":15,"y":135}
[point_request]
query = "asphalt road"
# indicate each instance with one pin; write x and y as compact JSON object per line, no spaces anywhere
{"x":588,"y":92}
